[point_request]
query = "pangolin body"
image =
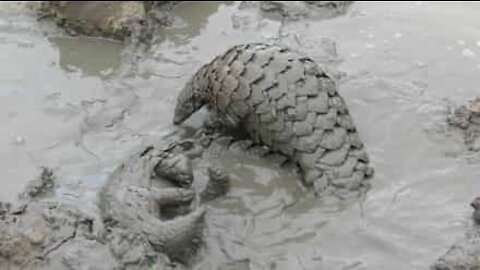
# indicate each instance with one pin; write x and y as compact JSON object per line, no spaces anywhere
{"x":285,"y":101}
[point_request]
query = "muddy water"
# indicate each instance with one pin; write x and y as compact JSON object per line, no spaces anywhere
{"x":82,"y":105}
{"x":44,"y":89}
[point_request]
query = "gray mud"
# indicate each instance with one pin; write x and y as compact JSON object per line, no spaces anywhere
{"x":109,"y":19}
{"x":400,"y":65}
{"x":40,"y":232}
{"x":464,"y":253}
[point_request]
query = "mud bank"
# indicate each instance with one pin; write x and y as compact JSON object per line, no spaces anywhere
{"x":466,"y":119}
{"x":143,"y":19}
{"x":39,"y":232}
{"x":145,"y":219}
{"x":298,"y":10}
{"x":120,"y":20}
{"x":465,"y":253}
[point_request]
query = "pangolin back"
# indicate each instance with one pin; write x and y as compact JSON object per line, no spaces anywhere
{"x":285,"y":101}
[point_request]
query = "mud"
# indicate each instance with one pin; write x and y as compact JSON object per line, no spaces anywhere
{"x":466,"y":119}
{"x":122,"y":20}
{"x":42,"y":233}
{"x":298,"y":10}
{"x":398,"y":62}
{"x":465,"y":253}
{"x":132,"y":230}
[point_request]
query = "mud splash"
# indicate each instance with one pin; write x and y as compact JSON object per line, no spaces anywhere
{"x":83,"y":116}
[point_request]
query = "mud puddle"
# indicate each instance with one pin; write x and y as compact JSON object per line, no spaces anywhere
{"x":82,"y":105}
{"x":46,"y":86}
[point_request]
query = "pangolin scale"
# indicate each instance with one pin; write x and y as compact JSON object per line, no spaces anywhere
{"x":285,"y":101}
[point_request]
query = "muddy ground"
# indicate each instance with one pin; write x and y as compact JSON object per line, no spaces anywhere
{"x":81,"y":105}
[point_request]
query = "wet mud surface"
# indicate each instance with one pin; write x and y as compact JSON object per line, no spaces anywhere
{"x":81,"y":105}
{"x":464,"y":253}
{"x":39,"y":232}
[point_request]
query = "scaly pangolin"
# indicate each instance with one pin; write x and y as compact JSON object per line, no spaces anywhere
{"x":285,"y":101}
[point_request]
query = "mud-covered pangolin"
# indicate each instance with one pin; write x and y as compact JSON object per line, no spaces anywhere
{"x":129,"y":201}
{"x":285,"y":101}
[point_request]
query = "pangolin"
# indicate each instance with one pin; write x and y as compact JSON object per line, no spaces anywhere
{"x":285,"y":101}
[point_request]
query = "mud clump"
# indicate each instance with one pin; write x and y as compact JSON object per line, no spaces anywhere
{"x":42,"y":186}
{"x":297,"y":10}
{"x":218,"y":185}
{"x":38,"y":237}
{"x":466,"y":119}
{"x":34,"y":233}
{"x":119,"y":20}
{"x":465,"y":254}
